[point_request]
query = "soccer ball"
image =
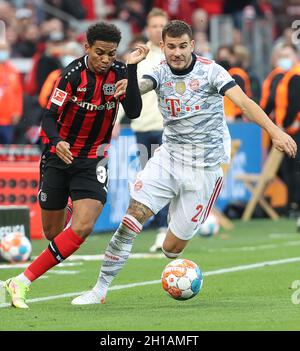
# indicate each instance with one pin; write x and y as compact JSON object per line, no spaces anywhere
{"x":15,"y":247}
{"x":182,"y":279}
{"x":210,"y":227}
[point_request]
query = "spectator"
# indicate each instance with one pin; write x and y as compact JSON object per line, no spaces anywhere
{"x":132,"y":11}
{"x":287,"y":116}
{"x":10,"y":96}
{"x":226,"y":57}
{"x":243,"y":60}
{"x":71,"y":7}
{"x":45,"y":62}
{"x":176,"y":9}
{"x":235,"y":9}
{"x":285,"y":59}
{"x":7,"y":12}
{"x":27,"y":44}
{"x":200,"y":21}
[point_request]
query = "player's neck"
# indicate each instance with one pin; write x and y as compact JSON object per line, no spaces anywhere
{"x":186,"y":70}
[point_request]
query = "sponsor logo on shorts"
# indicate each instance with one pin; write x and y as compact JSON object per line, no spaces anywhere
{"x":59,"y":97}
{"x":138,"y":185}
{"x":43,"y":196}
{"x":81,"y":89}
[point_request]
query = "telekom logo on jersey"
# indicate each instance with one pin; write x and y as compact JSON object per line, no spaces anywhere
{"x":175,"y":106}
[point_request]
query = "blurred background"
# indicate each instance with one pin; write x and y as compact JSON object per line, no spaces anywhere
{"x":257,"y":41}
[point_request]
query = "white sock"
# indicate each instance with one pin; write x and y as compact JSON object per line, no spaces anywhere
{"x":23,"y":279}
{"x":170,"y":254}
{"x":117,"y":253}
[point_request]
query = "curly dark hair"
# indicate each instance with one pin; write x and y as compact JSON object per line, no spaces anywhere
{"x":176,"y":29}
{"x":103,"y":31}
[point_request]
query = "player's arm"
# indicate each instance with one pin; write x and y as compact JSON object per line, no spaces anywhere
{"x":146,"y":84}
{"x":132,"y":103}
{"x":280,"y":139}
{"x":57,"y":102}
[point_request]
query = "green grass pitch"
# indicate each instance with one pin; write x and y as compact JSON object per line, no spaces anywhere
{"x":260,"y":298}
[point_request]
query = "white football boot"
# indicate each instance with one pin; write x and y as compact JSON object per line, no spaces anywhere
{"x":88,"y":298}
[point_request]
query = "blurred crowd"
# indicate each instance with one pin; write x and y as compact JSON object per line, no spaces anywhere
{"x":40,"y":37}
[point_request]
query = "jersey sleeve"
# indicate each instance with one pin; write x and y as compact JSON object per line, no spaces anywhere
{"x":60,"y":96}
{"x":220,"y":79}
{"x":155,"y":75}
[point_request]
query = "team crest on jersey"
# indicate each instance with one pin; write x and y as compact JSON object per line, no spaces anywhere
{"x":180,"y":87}
{"x":59,"y":97}
{"x":194,"y":84}
{"x":109,"y":89}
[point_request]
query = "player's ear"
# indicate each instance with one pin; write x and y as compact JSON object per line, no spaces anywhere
{"x":161,"y":44}
{"x":193,"y":44}
{"x":86,"y":47}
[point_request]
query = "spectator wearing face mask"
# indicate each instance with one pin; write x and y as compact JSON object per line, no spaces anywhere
{"x":285,"y":59}
{"x":11,"y":92}
{"x":69,"y":53}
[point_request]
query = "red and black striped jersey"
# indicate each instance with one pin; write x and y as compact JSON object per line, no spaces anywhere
{"x":84,"y":105}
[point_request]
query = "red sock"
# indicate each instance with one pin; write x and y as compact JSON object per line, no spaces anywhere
{"x":59,"y":249}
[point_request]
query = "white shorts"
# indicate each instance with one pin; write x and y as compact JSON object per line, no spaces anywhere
{"x":190,"y":192}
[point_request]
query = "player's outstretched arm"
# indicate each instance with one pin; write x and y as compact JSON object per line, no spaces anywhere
{"x":281,"y":140}
{"x":133,"y":102}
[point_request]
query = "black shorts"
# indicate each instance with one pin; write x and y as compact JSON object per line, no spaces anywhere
{"x":85,"y":178}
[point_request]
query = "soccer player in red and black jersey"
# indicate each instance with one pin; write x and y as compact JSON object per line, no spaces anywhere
{"x":78,"y":122}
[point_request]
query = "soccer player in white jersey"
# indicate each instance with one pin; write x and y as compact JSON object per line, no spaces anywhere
{"x":185,"y":171}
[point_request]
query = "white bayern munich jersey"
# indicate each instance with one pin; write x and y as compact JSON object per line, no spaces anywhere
{"x":191,"y":102}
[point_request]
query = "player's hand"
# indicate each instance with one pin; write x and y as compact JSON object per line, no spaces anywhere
{"x":139,"y":54}
{"x":284,"y":142}
{"x":121,"y":87}
{"x":63,"y":152}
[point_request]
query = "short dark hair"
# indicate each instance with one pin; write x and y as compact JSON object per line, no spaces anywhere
{"x":176,"y":29}
{"x":104,"y":32}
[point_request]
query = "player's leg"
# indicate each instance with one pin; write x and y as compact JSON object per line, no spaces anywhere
{"x":88,"y":203}
{"x":53,"y":222}
{"x":86,"y":212}
{"x":173,"y":246}
{"x":53,"y":197}
{"x":160,"y":219}
{"x":117,"y":252}
{"x":188,"y":210}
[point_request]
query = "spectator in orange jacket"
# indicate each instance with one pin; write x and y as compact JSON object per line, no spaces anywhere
{"x":227,"y":59}
{"x":285,"y":59}
{"x":11,"y":96}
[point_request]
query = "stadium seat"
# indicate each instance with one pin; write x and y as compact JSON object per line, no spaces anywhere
{"x":257,"y":184}
{"x":224,"y":221}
